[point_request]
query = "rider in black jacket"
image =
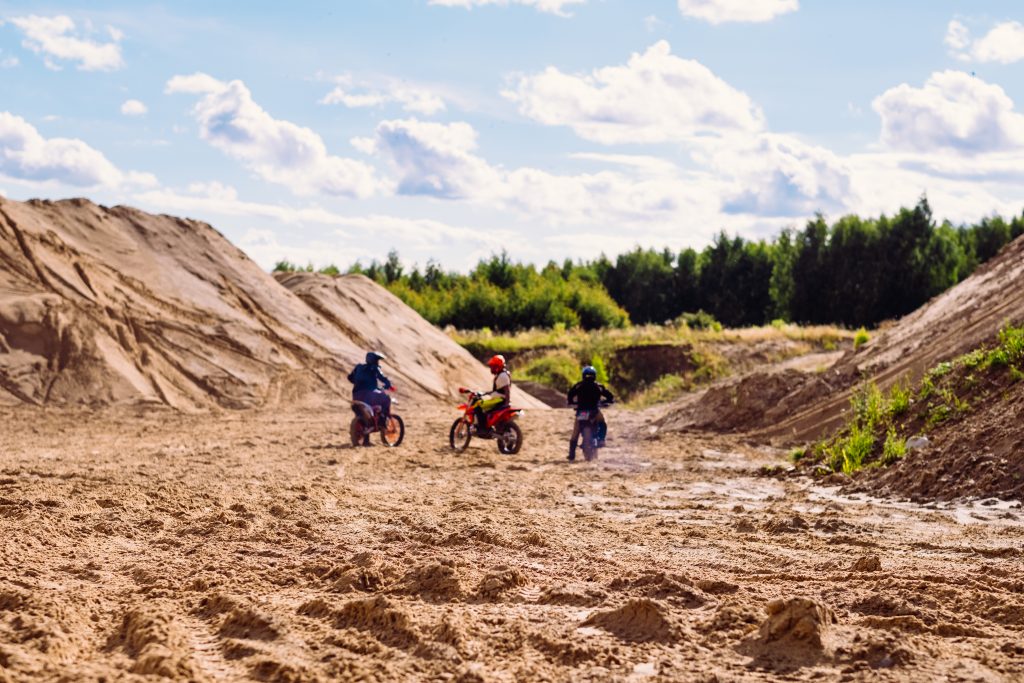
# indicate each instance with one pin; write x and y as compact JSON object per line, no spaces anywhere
{"x":587,"y":395}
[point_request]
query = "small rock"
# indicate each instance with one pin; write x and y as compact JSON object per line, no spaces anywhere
{"x":917,"y":442}
{"x":868,"y":563}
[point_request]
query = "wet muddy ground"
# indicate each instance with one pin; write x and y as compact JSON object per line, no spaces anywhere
{"x":261,"y":546}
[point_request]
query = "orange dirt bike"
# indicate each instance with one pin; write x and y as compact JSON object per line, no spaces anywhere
{"x":368,"y":420}
{"x":501,"y":426}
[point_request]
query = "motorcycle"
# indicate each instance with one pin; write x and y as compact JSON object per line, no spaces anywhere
{"x":500,"y":426}
{"x":592,"y":432}
{"x":369,"y":420}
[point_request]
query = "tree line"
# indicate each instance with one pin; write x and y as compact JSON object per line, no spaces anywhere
{"x":853,"y":272}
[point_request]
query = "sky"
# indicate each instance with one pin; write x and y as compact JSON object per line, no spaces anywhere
{"x":449,"y":130}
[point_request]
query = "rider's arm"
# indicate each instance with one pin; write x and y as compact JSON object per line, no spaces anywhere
{"x":607,"y":394}
{"x":384,"y":380}
{"x":570,"y":398}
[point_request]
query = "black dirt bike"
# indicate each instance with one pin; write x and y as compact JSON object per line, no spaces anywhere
{"x":368,"y":420}
{"x":592,"y":432}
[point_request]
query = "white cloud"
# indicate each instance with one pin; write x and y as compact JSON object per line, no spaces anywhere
{"x":28,"y":156}
{"x":411,"y":98}
{"x":1004,"y":43}
{"x":134,"y":108}
{"x":958,"y":36}
{"x":550,"y":6}
{"x":7,"y":62}
{"x":655,"y":97}
{"x":439,"y":160}
{"x":277,"y":151}
{"x":722,"y":11}
{"x":953,"y":111}
{"x":54,"y":39}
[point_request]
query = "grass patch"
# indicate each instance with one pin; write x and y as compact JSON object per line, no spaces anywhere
{"x":860,"y":338}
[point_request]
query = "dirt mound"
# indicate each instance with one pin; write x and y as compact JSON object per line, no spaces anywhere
{"x":734,"y":406}
{"x":104,"y":305}
{"x":372,"y":317}
{"x":640,"y":620}
{"x":795,"y":626}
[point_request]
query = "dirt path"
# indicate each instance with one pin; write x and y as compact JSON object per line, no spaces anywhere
{"x":260,"y":546}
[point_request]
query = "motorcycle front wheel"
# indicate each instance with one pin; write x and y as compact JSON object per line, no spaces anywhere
{"x":510,"y":439}
{"x":393,"y":432}
{"x":460,"y":435}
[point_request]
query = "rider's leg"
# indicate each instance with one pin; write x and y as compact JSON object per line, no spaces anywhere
{"x":484,"y":408}
{"x":602,"y":429}
{"x":575,"y":437}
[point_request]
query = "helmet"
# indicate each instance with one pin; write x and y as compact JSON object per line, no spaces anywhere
{"x":496,"y":363}
{"x":372,"y":358}
{"x":589,"y":373}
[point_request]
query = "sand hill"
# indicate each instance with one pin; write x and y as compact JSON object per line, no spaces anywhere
{"x":103,"y":306}
{"x":797,"y":406}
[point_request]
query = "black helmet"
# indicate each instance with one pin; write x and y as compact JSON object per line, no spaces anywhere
{"x":589,"y":373}
{"x":373,"y":358}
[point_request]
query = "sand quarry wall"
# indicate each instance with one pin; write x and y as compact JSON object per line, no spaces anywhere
{"x":103,"y":306}
{"x":796,"y":406}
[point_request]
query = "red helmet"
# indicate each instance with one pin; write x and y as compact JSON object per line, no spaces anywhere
{"x":496,"y":363}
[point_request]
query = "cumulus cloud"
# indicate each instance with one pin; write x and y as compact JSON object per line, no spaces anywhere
{"x":439,"y":160}
{"x":654,"y":97}
{"x":779,"y":175}
{"x":277,"y":151}
{"x":953,"y":111}
{"x":550,"y":6}
{"x":411,"y":98}
{"x":722,"y":11}
{"x":435,"y":159}
{"x":28,"y":156}
{"x":54,"y":38}
{"x":134,"y":108}
{"x":1004,"y":43}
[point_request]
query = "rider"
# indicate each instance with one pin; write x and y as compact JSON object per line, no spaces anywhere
{"x":365,"y":378}
{"x":587,"y":395}
{"x":499,"y":396}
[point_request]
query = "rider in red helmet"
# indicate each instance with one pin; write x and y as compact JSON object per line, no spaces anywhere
{"x":499,"y":396}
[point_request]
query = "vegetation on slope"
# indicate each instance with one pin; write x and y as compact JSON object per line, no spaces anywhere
{"x":879,"y":425}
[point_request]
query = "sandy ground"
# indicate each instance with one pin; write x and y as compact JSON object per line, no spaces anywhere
{"x":261,"y":546}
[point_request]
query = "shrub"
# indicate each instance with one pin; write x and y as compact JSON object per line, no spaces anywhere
{"x":894,"y":447}
{"x":861,"y":338}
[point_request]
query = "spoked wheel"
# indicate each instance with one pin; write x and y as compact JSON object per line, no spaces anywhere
{"x":393,"y":432}
{"x":510,"y":439}
{"x":589,"y":447}
{"x":459,"y":435}
{"x":355,"y":431}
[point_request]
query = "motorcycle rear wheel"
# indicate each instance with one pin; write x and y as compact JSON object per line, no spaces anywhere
{"x":393,"y":432}
{"x":510,"y":439}
{"x":589,"y":447}
{"x":460,"y":435}
{"x":355,"y":431}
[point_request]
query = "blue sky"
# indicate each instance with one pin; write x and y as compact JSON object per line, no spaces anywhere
{"x":450,"y":129}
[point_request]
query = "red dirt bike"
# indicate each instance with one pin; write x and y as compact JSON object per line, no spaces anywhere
{"x":501,"y":426}
{"x":369,"y":420}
